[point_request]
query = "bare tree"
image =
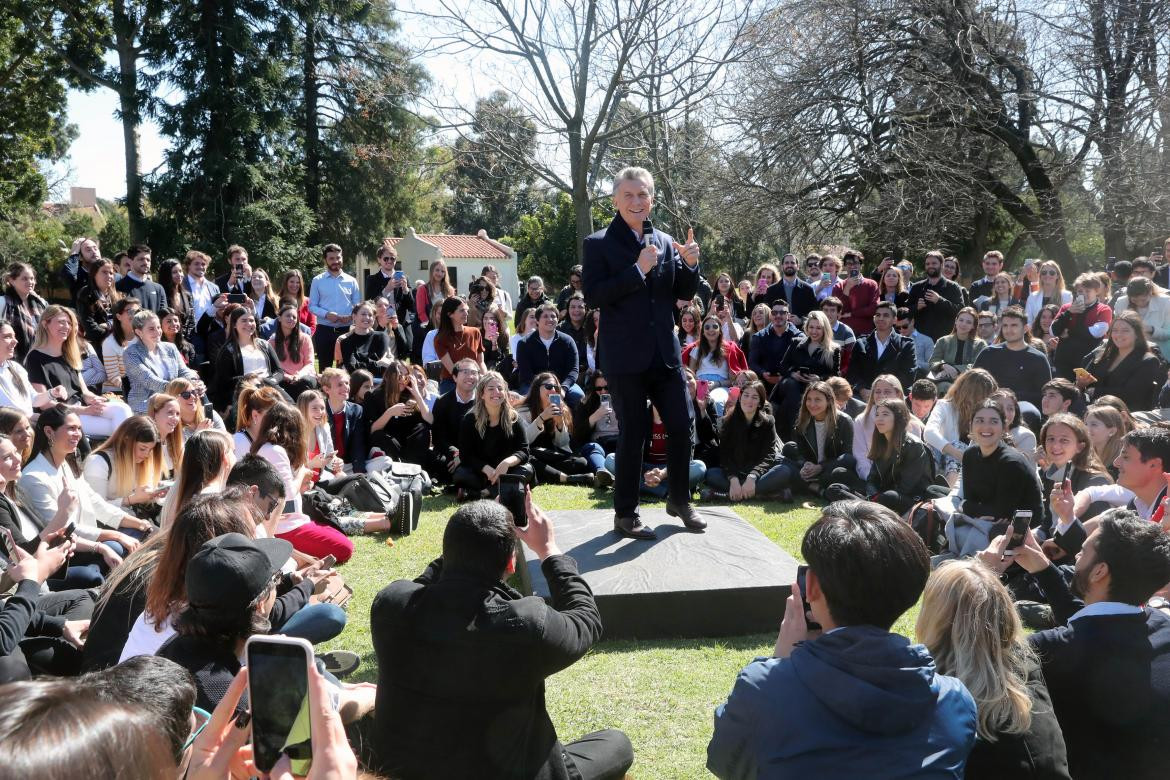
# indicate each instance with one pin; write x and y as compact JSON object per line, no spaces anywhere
{"x":578,"y":62}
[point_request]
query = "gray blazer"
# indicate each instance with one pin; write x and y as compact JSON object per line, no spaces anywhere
{"x":148,"y":377}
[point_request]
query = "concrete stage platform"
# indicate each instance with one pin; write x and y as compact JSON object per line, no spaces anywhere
{"x":727,"y":581}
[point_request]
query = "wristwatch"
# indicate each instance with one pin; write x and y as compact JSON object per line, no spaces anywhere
{"x":1157,"y":602}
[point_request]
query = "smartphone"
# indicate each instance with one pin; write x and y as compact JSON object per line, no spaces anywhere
{"x":513,"y":492}
{"x":800,"y":573}
{"x":208,"y":409}
{"x":761,"y":285}
{"x":278,"y":691}
{"x":399,"y":276}
{"x":239,"y":269}
{"x":9,"y":545}
{"x":733,"y":395}
{"x":237,"y":298}
{"x":702,"y":387}
{"x":491,"y":328}
{"x":605,"y":399}
{"x":554,"y":399}
{"x":329,"y":561}
{"x":1021,"y":520}
{"x":1079,"y":300}
{"x":66,"y":534}
{"x":854,"y":273}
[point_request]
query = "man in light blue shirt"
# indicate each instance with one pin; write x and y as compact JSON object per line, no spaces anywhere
{"x":332,"y":296}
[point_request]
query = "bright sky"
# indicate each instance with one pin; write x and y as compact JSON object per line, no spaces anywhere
{"x":97,"y":157}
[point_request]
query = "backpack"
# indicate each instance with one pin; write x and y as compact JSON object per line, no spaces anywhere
{"x":930,"y":527}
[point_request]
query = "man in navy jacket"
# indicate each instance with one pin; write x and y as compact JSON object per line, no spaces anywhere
{"x":346,"y":425}
{"x":881,"y":352}
{"x":548,"y":349}
{"x":856,"y":700}
{"x":797,"y":293}
{"x":635,"y":280}
{"x":1108,"y":668}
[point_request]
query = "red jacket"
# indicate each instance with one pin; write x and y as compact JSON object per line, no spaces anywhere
{"x":858,"y":307}
{"x":736,"y":361}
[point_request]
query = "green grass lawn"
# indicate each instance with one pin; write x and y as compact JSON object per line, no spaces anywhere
{"x":662,"y":693}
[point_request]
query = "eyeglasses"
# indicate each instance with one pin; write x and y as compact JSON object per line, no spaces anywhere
{"x":812,"y":265}
{"x":187,"y":395}
{"x":550,"y":386}
{"x":779,"y":313}
{"x":201,"y":718}
{"x":1048,"y":272}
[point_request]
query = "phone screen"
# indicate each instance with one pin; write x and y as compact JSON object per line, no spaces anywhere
{"x":399,"y":275}
{"x":1020,"y":522}
{"x":554,"y":400}
{"x":512,"y":496}
{"x":278,"y":690}
{"x":701,"y":390}
{"x":329,"y":561}
{"x":800,"y":574}
{"x":9,"y":544}
{"x":237,"y":298}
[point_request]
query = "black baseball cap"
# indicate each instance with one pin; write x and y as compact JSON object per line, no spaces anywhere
{"x":230,"y":571}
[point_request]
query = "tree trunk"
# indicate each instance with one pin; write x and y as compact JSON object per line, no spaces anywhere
{"x":130,"y":109}
{"x":579,"y":173}
{"x":312,"y":136}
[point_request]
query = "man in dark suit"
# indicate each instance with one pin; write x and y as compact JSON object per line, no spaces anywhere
{"x":239,"y":274}
{"x":346,"y":426}
{"x":881,"y":352}
{"x":461,"y":653}
{"x":797,"y":293}
{"x":396,"y":289}
{"x":635,"y":280}
{"x":992,"y":265}
{"x":935,"y":299}
{"x":1108,"y":667}
{"x":137,"y":283}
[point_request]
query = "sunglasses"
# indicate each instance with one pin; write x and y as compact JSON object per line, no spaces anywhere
{"x":710,"y":326}
{"x":903,"y":327}
{"x":780,"y":313}
{"x":187,"y":395}
{"x":550,"y":386}
{"x":1048,"y":272}
{"x":600,"y":387}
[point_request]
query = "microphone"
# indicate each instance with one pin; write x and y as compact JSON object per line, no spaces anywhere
{"x":647,"y":232}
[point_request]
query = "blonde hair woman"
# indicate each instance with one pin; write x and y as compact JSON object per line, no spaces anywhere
{"x":946,"y":429}
{"x":126,"y":469}
{"x":55,"y":360}
{"x":492,"y":441}
{"x":969,"y":624}
{"x":1051,"y":291}
{"x":164,"y":410}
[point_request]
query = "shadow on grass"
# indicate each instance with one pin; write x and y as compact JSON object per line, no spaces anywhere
{"x":735,"y":643}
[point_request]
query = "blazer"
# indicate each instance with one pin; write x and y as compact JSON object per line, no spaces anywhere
{"x":631,"y":304}
{"x":897,"y":359}
{"x":1136,"y":380}
{"x":798,"y":358}
{"x":802,"y":301}
{"x":356,"y":448}
{"x":749,"y":449}
{"x":838,"y":447}
{"x":436,"y":638}
{"x":229,"y":368}
{"x":946,"y":350}
{"x":145,"y":376}
{"x":1109,"y":678}
{"x":1037,"y":754}
{"x":149,"y":294}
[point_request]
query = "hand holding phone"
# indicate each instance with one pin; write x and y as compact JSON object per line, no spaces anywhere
{"x":702,"y":388}
{"x":278,"y":692}
{"x":801,"y":571}
{"x":1021,"y":521}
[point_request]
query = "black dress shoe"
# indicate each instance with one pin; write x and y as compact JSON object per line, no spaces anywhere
{"x":633,"y":528}
{"x":688,"y":515}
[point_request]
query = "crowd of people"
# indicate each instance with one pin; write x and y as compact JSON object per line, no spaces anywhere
{"x":1002,"y":433}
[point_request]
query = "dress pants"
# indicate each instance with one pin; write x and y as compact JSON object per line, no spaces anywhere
{"x":664,"y":387}
{"x":602,"y":755}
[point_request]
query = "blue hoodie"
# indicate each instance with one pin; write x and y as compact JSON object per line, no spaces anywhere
{"x":857,"y":702}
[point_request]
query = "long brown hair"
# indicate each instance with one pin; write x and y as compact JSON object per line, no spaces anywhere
{"x":299,"y":296}
{"x":967,"y":395}
{"x":882,"y":447}
{"x":535,"y":402}
{"x":392,"y":381}
{"x":254,"y":398}
{"x":804,"y":418}
{"x":283,"y":426}
{"x":703,"y":348}
{"x":288,"y":347}
{"x":202,"y":461}
{"x":1086,"y":460}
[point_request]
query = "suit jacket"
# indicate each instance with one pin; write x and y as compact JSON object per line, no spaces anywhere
{"x":149,"y":294}
{"x":436,"y":639}
{"x":1109,"y":677}
{"x":802,"y":301}
{"x":897,"y":359}
{"x":631,"y":304}
{"x":222,"y":283}
{"x":145,"y":377}
{"x":356,"y":449}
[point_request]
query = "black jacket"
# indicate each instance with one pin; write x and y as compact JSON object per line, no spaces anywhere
{"x":766,"y":350}
{"x":838,"y":447}
{"x":149,"y":294}
{"x":798,"y":358}
{"x":909,"y":474}
{"x":748,"y":449}
{"x":476,"y":451}
{"x":999,"y":484}
{"x":1109,"y":677}
{"x":212,"y":666}
{"x":1037,"y":754}
{"x":448,"y":412}
{"x":363,"y":351}
{"x":802,"y":300}
{"x":897,"y":359}
{"x":631,"y":304}
{"x":356,"y":447}
{"x":460,"y":654}
{"x":229,"y":368}
{"x":936,"y":319}
{"x":1136,"y":380}
{"x":96,"y":314}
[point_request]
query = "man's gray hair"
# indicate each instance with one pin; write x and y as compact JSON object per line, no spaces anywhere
{"x":141,"y":318}
{"x":634,"y":174}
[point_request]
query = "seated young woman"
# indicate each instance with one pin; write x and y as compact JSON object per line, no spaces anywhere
{"x":16,"y":391}
{"x":715,"y":360}
{"x":595,"y":427}
{"x":548,"y":427}
{"x":749,"y":450}
{"x":954,"y":353}
{"x":1066,"y":455}
{"x":1019,"y":434}
{"x":822,"y":452}
{"x":903,"y":468}
{"x":885,"y":387}
{"x":55,"y":360}
{"x":244,"y":356}
{"x":254,"y":402}
{"x":997,"y":479}
{"x":15,"y":425}
{"x":294,"y":350}
{"x":282,"y":443}
{"x":1125,"y":365}
{"x":1107,"y":428}
{"x":362,"y":347}
{"x":163,"y":409}
{"x":127,"y":468}
{"x":812,"y":357}
{"x":398,"y":417}
{"x":705,"y":431}
{"x":947,"y":428}
{"x":192,"y":409}
{"x":176,"y":333}
{"x":208,"y":456}
{"x":54,"y":471}
{"x":114,"y":346}
{"x":491,"y":442}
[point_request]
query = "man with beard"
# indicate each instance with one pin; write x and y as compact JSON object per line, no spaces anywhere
{"x":1108,"y":668}
{"x":1015,"y":363}
{"x":793,"y":290}
{"x":859,"y":295}
{"x":935,"y":299}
